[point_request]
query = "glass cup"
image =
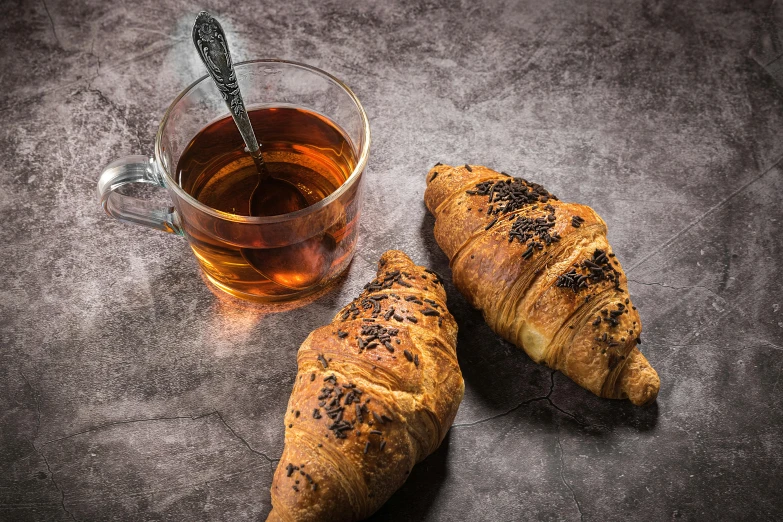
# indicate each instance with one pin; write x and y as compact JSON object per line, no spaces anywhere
{"x":273,"y":258}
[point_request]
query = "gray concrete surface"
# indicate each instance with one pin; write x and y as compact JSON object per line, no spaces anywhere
{"x":129,"y":391}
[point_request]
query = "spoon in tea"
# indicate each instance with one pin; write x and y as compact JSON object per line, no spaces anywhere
{"x":298,"y":266}
{"x":271,"y":196}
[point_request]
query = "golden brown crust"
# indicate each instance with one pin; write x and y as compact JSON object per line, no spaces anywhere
{"x":376,"y":391}
{"x":544,"y":276}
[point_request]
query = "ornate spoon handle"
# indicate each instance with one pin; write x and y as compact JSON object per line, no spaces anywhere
{"x":212,"y":46}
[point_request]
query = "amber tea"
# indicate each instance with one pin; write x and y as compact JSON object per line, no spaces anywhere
{"x":299,"y":146}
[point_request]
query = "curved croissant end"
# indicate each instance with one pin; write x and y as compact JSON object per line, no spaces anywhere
{"x":544,"y":276}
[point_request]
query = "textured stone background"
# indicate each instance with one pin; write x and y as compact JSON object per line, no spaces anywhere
{"x":128,"y":390}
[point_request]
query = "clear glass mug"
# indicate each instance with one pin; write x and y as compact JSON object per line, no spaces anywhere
{"x":222,"y":241}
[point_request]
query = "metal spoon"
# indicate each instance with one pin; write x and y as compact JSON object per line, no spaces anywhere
{"x":271,"y":196}
{"x":298,"y":266}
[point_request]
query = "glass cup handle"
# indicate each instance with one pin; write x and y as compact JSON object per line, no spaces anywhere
{"x":135,"y":169}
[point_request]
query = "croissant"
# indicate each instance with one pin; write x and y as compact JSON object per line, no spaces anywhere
{"x":543,"y":275}
{"x":375,"y":393}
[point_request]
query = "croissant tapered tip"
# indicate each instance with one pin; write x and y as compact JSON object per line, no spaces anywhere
{"x":645,"y":394}
{"x":394,"y":257}
{"x":434,"y":171}
{"x":273,"y":517}
{"x":638,"y":380}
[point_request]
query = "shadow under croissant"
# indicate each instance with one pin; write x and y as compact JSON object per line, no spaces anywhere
{"x":415,"y":498}
{"x":502,"y":378}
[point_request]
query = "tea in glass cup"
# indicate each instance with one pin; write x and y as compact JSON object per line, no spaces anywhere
{"x":313,"y":134}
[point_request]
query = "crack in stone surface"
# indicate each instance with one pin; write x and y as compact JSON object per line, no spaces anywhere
{"x":503,"y":414}
{"x":701,"y":217}
{"x":51,"y":477}
{"x":97,"y":59}
{"x":98,"y":499}
{"x":37,"y":405}
{"x":216,"y":413}
{"x":672,"y":287}
{"x":777,"y":380}
{"x":51,"y":22}
{"x":130,"y":421}
{"x":692,"y":287}
{"x":248,"y":446}
{"x":119,"y":111}
{"x":546,"y":397}
{"x":114,"y":66}
{"x":176,"y":417}
{"x":562,"y":477}
{"x":769,"y":344}
{"x":35,"y":448}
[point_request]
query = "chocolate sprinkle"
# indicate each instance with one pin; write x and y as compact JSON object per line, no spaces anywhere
{"x":375,"y":332}
{"x":592,"y":270}
{"x":331,"y":396}
{"x":511,"y":194}
{"x":323,"y":361}
{"x":534,"y":232}
{"x":352,"y":311}
{"x":387,"y":280}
